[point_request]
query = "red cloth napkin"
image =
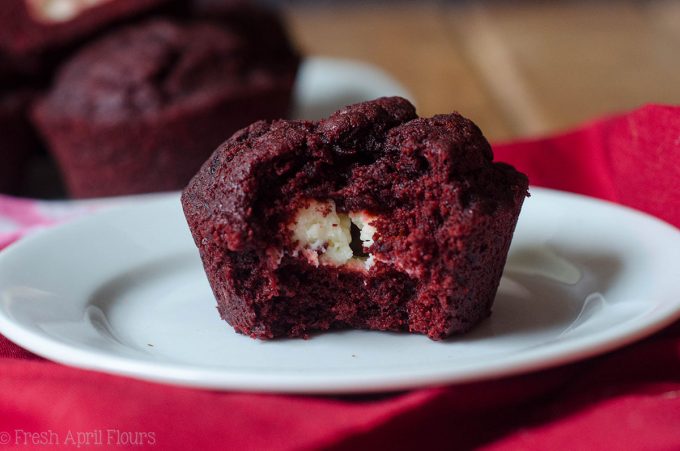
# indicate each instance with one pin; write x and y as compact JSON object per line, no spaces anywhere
{"x":628,"y":399}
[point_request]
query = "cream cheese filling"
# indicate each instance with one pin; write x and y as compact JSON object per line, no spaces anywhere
{"x":324,"y":236}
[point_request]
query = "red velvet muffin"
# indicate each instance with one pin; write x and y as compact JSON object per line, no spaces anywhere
{"x":141,"y":109}
{"x":371,"y":219}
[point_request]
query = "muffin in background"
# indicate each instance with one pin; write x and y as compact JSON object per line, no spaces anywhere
{"x":35,"y":38}
{"x":142,"y":108}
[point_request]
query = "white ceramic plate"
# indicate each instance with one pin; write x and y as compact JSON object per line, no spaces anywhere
{"x":123,"y":291}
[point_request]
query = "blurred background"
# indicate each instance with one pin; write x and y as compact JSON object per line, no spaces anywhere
{"x":517,"y":68}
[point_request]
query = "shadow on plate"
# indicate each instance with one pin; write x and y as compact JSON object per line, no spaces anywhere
{"x":548,"y":288}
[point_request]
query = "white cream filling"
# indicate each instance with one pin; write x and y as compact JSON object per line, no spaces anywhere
{"x":363,"y":221}
{"x":60,"y":10}
{"x":324,"y":236}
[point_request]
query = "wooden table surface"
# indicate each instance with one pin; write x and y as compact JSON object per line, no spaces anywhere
{"x":517,"y":68}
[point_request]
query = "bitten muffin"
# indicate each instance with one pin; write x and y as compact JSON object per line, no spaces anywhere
{"x":371,"y":219}
{"x":141,"y":109}
{"x":37,"y":26}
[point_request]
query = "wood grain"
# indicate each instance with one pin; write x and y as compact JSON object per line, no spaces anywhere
{"x":410,"y":41}
{"x":517,"y":68}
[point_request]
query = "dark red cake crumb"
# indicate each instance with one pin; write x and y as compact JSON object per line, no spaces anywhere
{"x":141,"y":109}
{"x":371,"y":219}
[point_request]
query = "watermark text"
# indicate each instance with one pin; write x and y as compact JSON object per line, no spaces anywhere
{"x":105,"y":438}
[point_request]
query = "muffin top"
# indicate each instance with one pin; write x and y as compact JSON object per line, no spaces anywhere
{"x":154,"y":66}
